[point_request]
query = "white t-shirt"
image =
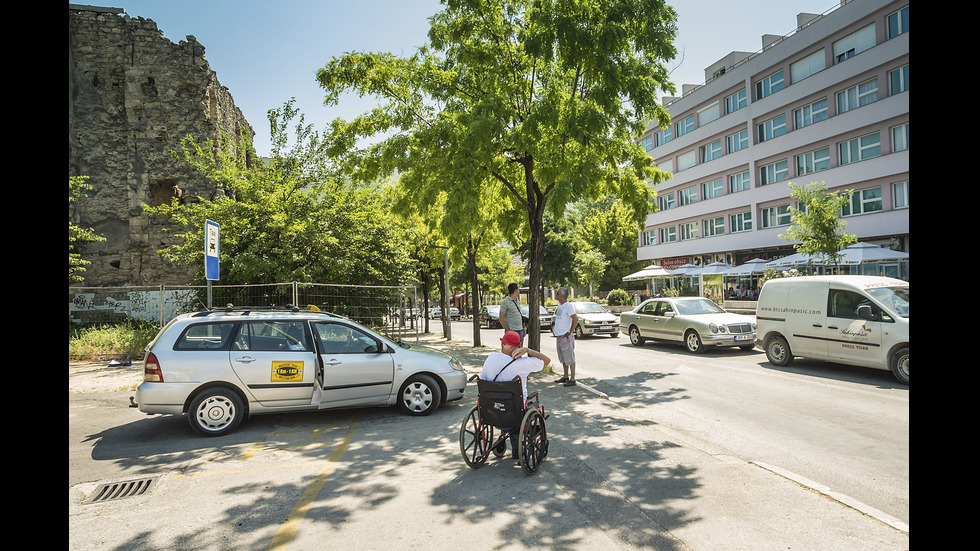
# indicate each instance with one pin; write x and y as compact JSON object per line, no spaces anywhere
{"x":521,"y":367}
{"x":563,"y":319}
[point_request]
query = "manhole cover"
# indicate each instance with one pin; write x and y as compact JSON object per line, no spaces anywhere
{"x":121,"y":490}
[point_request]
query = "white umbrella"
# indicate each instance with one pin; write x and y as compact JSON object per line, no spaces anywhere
{"x":754,"y":266}
{"x":649,"y":272}
{"x":798,"y":259}
{"x":715,"y":268}
{"x":859,"y":253}
{"x":685,"y":270}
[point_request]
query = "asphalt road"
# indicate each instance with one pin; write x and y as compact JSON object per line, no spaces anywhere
{"x":656,"y":449}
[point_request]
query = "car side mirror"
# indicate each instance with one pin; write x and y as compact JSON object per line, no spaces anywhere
{"x":864,"y":312}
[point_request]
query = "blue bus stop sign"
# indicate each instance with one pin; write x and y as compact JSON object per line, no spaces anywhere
{"x":211,"y":232}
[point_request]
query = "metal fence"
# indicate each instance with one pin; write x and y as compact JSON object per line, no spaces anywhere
{"x":389,"y":309}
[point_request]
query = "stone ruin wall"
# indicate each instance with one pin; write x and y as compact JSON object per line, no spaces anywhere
{"x":132,"y":96}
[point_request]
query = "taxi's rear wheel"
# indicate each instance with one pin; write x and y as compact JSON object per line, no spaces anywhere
{"x":420,"y":395}
{"x":215,"y":411}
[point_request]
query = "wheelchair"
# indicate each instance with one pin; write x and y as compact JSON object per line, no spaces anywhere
{"x":500,"y":408}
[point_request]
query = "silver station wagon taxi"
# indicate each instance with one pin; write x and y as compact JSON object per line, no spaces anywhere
{"x":220,"y":366}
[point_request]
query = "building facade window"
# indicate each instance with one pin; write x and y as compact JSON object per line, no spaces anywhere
{"x":684,"y":126}
{"x":898,"y":80}
{"x":900,"y":137}
{"x":668,"y":234}
{"x":772,"y":128}
{"x":741,"y":222}
{"x":739,"y":182}
{"x":813,"y":161}
{"x":666,"y":201}
{"x":773,"y":172}
{"x":709,"y":113}
{"x":713,"y":189}
{"x":647,"y":143}
{"x":686,"y":160}
{"x":773,"y":217}
{"x":855,"y":43}
{"x":898,"y":22}
{"x":714,"y":226}
{"x":711,"y":151}
{"x":859,"y":149}
{"x":769,"y":85}
{"x":688,"y":196}
{"x":808,"y":66}
{"x":863,"y":202}
{"x":900,"y":195}
{"x":648,"y":238}
{"x":735,"y":101}
{"x":689,"y":231}
{"x":664,"y":136}
{"x":857,"y":96}
{"x":809,"y":114}
{"x":738,"y":141}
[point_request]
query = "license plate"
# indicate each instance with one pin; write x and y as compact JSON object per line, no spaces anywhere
{"x":743,"y":337}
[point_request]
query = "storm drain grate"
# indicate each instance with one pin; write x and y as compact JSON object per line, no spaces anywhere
{"x":121,"y":490}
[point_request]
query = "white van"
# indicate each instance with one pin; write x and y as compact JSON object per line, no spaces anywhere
{"x":854,"y":320}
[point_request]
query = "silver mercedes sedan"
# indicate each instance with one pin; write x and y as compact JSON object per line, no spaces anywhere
{"x":697,"y":323}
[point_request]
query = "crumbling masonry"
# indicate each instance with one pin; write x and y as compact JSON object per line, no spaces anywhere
{"x":132,"y":96}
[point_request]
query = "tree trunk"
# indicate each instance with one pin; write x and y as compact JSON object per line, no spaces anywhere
{"x":471,"y":249}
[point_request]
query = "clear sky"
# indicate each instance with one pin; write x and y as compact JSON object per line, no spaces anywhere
{"x":266,"y":52}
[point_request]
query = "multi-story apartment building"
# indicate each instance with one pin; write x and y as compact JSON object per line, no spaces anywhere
{"x":828,"y":103}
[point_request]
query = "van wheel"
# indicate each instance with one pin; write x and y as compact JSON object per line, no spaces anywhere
{"x":900,"y":365}
{"x":693,"y":342}
{"x":778,"y":352}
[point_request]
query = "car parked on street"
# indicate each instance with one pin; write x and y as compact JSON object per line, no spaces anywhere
{"x":594,"y":320}
{"x":436,"y":313}
{"x":546,"y":318}
{"x":490,"y":316}
{"x":697,"y":323}
{"x":220,"y":366}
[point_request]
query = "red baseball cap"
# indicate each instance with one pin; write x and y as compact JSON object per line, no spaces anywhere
{"x":511,"y":338}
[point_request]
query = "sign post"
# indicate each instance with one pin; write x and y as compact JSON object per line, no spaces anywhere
{"x":211,"y":242}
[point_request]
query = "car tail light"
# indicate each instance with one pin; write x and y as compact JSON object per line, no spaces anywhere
{"x":151,"y":370}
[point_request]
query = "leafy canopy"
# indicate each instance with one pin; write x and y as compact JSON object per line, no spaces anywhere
{"x":287,"y":219}
{"x":541,"y":98}
{"x":816,"y":225}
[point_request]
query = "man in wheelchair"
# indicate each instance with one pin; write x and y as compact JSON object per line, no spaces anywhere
{"x":513,"y":362}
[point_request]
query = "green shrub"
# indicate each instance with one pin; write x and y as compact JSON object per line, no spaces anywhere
{"x":618,"y":297}
{"x":120,"y":341}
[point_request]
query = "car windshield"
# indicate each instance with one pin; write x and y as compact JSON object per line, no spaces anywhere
{"x":695,"y":307}
{"x":895,"y":298}
{"x":541,"y":309}
{"x":588,"y":308}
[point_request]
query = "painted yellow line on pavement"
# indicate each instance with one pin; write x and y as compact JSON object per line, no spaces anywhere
{"x":284,"y":536}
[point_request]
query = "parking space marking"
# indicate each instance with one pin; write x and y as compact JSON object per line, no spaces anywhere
{"x":284,"y":536}
{"x":310,"y":437}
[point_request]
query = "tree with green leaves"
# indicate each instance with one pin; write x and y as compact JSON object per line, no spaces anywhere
{"x":542,"y":98}
{"x":608,"y":226}
{"x":590,"y":266}
{"x":287,"y":219}
{"x":77,"y":186}
{"x":816,"y":225}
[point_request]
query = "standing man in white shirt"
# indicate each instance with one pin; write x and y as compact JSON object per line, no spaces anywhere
{"x":564,"y":329}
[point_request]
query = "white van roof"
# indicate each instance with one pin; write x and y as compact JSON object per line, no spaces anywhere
{"x":857,"y":281}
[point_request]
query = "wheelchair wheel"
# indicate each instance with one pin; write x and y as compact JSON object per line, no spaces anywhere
{"x":474,"y":439}
{"x":533,"y":441}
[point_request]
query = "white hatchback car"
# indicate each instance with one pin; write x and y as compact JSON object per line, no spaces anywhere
{"x":221,"y":366}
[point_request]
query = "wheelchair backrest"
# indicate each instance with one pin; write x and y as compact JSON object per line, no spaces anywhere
{"x":501,"y":402}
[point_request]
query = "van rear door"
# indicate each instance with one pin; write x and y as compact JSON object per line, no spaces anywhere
{"x":806,"y":304}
